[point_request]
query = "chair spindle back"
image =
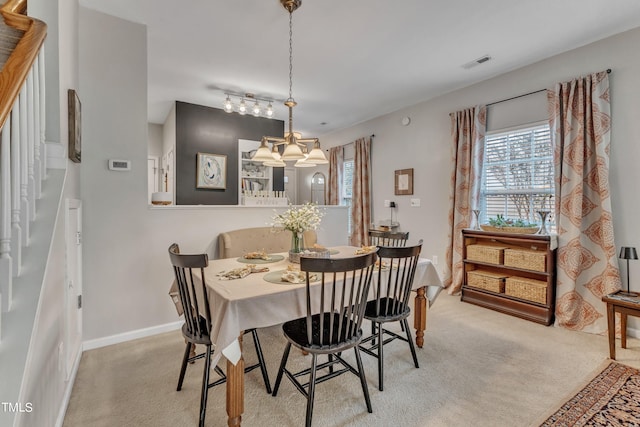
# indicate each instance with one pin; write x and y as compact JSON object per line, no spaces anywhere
{"x":396,"y":271}
{"x":388,"y":238}
{"x":192,"y":290}
{"x":338,"y":302}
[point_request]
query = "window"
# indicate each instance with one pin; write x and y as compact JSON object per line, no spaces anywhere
{"x":517,"y":173}
{"x":347,"y":188}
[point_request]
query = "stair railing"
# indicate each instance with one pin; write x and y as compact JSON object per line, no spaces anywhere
{"x":22,"y":149}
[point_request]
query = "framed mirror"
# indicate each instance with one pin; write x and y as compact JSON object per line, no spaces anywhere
{"x":318,"y":187}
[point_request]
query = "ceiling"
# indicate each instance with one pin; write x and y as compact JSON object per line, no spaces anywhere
{"x":353,"y":60}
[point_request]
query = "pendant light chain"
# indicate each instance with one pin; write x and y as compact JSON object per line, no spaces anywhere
{"x":290,"y":55}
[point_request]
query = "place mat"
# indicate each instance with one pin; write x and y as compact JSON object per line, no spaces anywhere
{"x":273,"y":258}
{"x":276,"y":277}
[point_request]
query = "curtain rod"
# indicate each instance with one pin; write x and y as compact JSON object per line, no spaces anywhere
{"x":526,"y":94}
{"x":349,"y":143}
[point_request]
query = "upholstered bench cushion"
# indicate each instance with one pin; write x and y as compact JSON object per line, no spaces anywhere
{"x":238,"y":242}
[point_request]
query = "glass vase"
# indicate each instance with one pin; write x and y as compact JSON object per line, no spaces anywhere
{"x":543,"y":222}
{"x":297,"y":246}
{"x":476,"y":215}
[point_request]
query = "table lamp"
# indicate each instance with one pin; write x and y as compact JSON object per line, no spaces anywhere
{"x":627,"y":252}
{"x":391,"y":206}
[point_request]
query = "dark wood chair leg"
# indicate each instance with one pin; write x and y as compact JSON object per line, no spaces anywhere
{"x":312,"y":389}
{"x":363,"y":380}
{"x":183,"y":368}
{"x":263,"y":366}
{"x":283,"y":363}
{"x":410,"y":340}
{"x":380,"y":359}
{"x":205,"y":386}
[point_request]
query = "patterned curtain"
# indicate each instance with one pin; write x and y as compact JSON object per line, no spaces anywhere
{"x":467,"y":130}
{"x":336,"y":166}
{"x":361,"y":196}
{"x":587,"y":267}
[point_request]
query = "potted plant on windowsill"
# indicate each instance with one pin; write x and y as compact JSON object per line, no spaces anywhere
{"x":501,"y":224}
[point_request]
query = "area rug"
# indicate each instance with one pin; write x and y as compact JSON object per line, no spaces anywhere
{"x":612,"y":398}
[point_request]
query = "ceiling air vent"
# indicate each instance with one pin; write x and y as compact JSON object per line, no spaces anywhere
{"x":475,"y":62}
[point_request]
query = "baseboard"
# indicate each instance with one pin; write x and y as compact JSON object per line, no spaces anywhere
{"x":131,"y":335}
{"x":67,"y":390}
{"x":632,"y":332}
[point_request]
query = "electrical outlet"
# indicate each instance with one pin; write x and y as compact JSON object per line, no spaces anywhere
{"x":415,"y":203}
{"x":434,"y":259}
{"x":387,"y":203}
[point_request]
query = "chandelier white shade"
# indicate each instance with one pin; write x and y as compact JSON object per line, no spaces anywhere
{"x":316,"y":155}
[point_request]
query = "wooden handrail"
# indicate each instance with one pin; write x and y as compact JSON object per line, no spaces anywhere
{"x":15,"y":71}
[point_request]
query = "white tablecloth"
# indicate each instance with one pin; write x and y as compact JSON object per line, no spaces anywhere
{"x":252,"y":302}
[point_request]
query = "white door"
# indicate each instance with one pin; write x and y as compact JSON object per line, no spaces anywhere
{"x":170,"y":178}
{"x":291,"y":184}
{"x":152,"y":176}
{"x":73,"y":276}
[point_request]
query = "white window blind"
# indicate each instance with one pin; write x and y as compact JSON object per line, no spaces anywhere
{"x":517,"y":174}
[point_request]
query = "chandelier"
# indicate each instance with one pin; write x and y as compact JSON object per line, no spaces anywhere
{"x":295,"y":147}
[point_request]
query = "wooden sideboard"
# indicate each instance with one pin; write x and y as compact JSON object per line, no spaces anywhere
{"x":510,"y":273}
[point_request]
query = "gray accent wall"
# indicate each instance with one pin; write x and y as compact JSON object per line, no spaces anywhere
{"x":212,"y":130}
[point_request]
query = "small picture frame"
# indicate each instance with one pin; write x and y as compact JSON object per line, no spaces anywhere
{"x":404,"y":182}
{"x":75,"y":126}
{"x":211,"y":171}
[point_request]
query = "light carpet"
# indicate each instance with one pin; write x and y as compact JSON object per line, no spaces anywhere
{"x":477,"y":368}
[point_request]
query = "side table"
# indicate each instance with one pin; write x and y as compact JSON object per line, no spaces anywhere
{"x":625,"y":305}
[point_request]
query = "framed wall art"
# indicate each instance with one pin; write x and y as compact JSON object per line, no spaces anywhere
{"x":75,"y":126}
{"x":211,"y":171}
{"x":404,"y":182}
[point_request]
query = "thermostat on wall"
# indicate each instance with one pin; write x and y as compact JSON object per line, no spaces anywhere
{"x":119,"y":165}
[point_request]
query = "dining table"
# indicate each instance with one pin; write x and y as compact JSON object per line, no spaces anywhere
{"x":261,"y":299}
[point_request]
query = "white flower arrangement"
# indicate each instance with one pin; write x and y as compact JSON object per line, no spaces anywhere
{"x":298,"y":219}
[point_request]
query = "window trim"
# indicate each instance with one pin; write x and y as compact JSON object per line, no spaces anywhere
{"x":482,"y":191}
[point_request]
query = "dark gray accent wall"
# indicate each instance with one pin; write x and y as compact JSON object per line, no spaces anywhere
{"x":212,"y":130}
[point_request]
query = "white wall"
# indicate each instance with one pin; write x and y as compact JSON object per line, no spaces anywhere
{"x":424,"y":145}
{"x":126,"y":267}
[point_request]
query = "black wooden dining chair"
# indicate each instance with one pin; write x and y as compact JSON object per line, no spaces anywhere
{"x":197,"y":322}
{"x":395,"y":273}
{"x":388,"y":238}
{"x":336,"y":297}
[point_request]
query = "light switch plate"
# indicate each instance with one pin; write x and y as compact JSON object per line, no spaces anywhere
{"x":415,"y":203}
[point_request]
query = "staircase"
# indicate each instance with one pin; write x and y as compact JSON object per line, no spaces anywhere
{"x":22,"y":149}
{"x":22,"y":172}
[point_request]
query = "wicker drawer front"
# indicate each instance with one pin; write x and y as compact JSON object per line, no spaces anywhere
{"x":486,"y":253}
{"x":527,"y":259}
{"x":486,"y":280}
{"x":529,"y":289}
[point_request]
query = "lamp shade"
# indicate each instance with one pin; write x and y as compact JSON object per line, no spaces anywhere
{"x":628,"y":252}
{"x":275,"y":163}
{"x":304,"y":163}
{"x":316,"y":155}
{"x":263,"y":154}
{"x":292,"y":151}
